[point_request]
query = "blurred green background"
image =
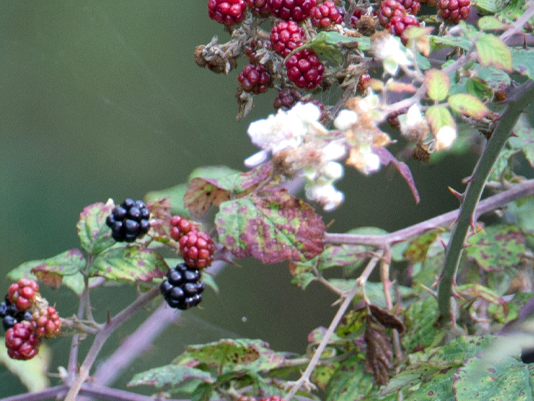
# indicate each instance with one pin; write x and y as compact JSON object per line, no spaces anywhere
{"x":102,"y":99}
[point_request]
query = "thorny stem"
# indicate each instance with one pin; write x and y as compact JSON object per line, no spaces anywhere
{"x":521,"y":190}
{"x":360,"y":282}
{"x":466,"y":217}
{"x":102,"y":337}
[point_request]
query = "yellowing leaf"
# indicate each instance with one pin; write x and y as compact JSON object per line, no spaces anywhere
{"x":32,"y":373}
{"x":469,"y":105}
{"x":493,"y":51}
{"x":439,"y":117}
{"x":437,"y":84}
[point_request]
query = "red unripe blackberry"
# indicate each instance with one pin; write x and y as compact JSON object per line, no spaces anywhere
{"x":305,"y":69}
{"x":393,"y":118}
{"x":259,"y":7}
{"x":453,"y":11}
{"x":363,"y":82}
{"x":21,"y":342}
{"x":286,"y":99}
{"x":295,"y":10}
{"x":271,"y":398}
{"x":254,"y":78}
{"x":286,"y":36}
{"x":397,"y":25}
{"x":411,"y":6}
{"x":22,"y":293}
{"x":180,"y":227}
{"x":197,"y":249}
{"x":226,"y":12}
{"x":389,"y":9}
{"x":356,"y":16}
{"x":46,"y":322}
{"x":326,"y":14}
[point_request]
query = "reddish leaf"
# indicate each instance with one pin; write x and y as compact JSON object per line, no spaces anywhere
{"x":272,"y":228}
{"x":386,"y":157}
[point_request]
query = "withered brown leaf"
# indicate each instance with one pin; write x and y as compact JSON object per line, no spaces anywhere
{"x":388,"y":320}
{"x":379,"y":351}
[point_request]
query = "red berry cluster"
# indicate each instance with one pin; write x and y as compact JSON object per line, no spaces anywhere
{"x":286,"y":36}
{"x":363,"y":82}
{"x":295,"y":10}
{"x":197,"y":248}
{"x":396,"y":18}
{"x":327,"y":14}
{"x":35,"y":319}
{"x":254,"y":78}
{"x":305,"y":69}
{"x":453,"y":11}
{"x":227,"y":12}
{"x":259,"y":7}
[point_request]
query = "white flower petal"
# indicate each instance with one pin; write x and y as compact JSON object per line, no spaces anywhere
{"x":256,"y":159}
{"x":445,"y":137}
{"x":345,"y":119}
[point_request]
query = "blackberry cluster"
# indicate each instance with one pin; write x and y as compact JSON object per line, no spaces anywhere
{"x":227,"y":12}
{"x":254,"y":78}
{"x":22,"y":342}
{"x":183,"y":287}
{"x":11,"y":315}
{"x":305,"y":69}
{"x":129,"y":221}
{"x":327,"y":14}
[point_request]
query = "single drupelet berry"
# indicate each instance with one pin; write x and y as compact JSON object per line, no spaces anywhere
{"x":453,"y":11}
{"x":259,"y":7}
{"x":22,"y":342}
{"x":286,"y":36}
{"x":389,"y":9}
{"x":411,"y":6}
{"x":254,"y":78}
{"x":197,"y":249}
{"x":305,"y":69}
{"x":286,"y":99}
{"x":355,"y":17}
{"x":363,"y":82}
{"x":180,"y":227}
{"x":326,"y":14}
{"x":295,"y":10}
{"x":22,"y":293}
{"x":227,"y":12}
{"x":129,"y":221}
{"x":398,"y":25}
{"x":183,"y":287}
{"x":46,"y":322}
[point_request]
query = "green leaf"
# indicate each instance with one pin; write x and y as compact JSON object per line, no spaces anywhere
{"x":496,"y":80}
{"x":170,"y":376}
{"x":176,"y":198}
{"x":510,"y":11}
{"x":33,"y":373}
{"x":422,"y":61}
{"x":493,"y":51}
{"x":322,"y":374}
{"x":491,"y":24}
{"x":497,"y":248}
{"x":438,"y":388}
{"x":411,"y":376}
{"x":439,"y":117}
{"x":506,"y":380}
{"x":203,"y":193}
{"x":94,"y":234}
{"x":462,"y":348}
{"x":454,"y":41}
{"x":478,"y":88}
{"x":522,"y":61}
{"x":334,"y":38}
{"x":420,"y":319}
{"x":271,"y":228}
{"x":350,"y":382}
{"x":129,"y":264}
{"x":468,"y":105}
{"x":513,"y":308}
{"x":481,"y":292}
{"x":234,"y":355}
{"x":437,"y":84}
{"x":523,"y":140}
{"x":489,"y":6}
{"x":418,"y":248}
{"x":202,"y":392}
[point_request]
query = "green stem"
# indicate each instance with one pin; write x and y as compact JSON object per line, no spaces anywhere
{"x":518,"y":102}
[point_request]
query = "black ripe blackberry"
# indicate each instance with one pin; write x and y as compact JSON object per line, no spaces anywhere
{"x":129,"y":221}
{"x":182,"y":289}
{"x":10,"y":315}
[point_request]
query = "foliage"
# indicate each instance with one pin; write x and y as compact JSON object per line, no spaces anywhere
{"x":450,"y":288}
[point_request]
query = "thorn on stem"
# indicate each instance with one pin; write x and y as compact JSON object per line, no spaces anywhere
{"x":458,"y":195}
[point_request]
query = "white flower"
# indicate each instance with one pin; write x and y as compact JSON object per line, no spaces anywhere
{"x":335,"y":150}
{"x":389,"y":49}
{"x":371,"y":161}
{"x":326,"y":195}
{"x":333,"y":170}
{"x":413,"y":116}
{"x":345,"y":119}
{"x":445,"y":137}
{"x":286,"y":129}
{"x":413,"y":125}
{"x":256,"y":159}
